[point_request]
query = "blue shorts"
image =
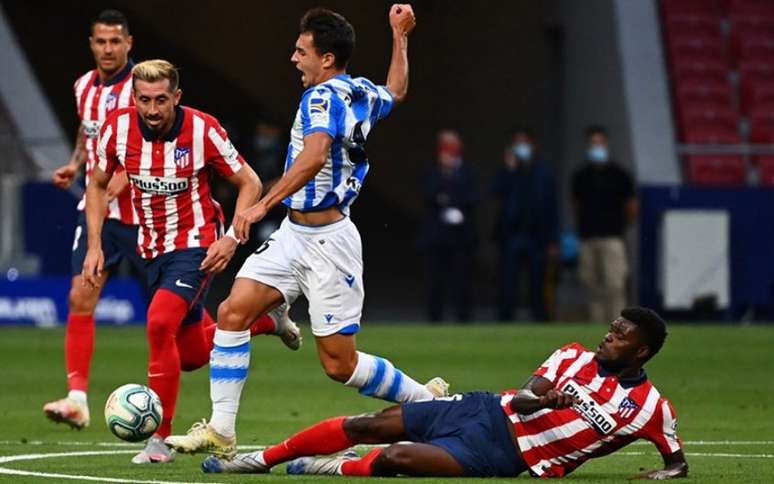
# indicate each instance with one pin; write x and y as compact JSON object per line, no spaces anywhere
{"x":472,"y":427}
{"x":178,"y":271}
{"x":118,"y":241}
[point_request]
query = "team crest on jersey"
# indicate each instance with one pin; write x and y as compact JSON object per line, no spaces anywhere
{"x":182,"y":157}
{"x":111,"y":102}
{"x":627,"y":408}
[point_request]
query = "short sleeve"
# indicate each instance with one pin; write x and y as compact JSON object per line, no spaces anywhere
{"x":384,"y":102}
{"x":321,"y":111}
{"x":220,"y":152}
{"x":661,"y":429}
{"x":550,"y":369}
{"x":107,"y":160}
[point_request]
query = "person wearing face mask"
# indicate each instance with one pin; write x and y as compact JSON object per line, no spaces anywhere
{"x":450,"y":192}
{"x":605,"y":203}
{"x":527,"y":225}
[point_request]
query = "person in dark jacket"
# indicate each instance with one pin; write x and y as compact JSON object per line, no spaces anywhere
{"x":449,"y":239}
{"x":527,"y":225}
{"x":605,"y":203}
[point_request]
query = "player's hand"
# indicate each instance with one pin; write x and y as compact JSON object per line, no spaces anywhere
{"x":64,"y":176}
{"x":219,"y":255}
{"x":402,"y":19}
{"x":556,"y":399}
{"x":244,"y":219}
{"x":93,"y":266}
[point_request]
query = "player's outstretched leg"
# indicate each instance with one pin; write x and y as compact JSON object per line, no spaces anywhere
{"x":373,"y":376}
{"x":229,"y":362}
{"x":325,"y":437}
{"x":73,"y":410}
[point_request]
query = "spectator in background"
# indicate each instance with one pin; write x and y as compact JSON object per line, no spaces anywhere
{"x":267,"y":151}
{"x":605,"y":203}
{"x":527,"y":225}
{"x":450,"y":192}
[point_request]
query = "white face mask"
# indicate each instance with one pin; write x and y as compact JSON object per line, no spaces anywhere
{"x":522,"y":151}
{"x":597,"y":154}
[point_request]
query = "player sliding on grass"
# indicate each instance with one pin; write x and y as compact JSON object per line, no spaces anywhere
{"x":578,"y":405}
{"x":169,"y":153}
{"x":317,"y":250}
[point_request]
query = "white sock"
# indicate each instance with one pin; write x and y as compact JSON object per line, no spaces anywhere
{"x":377,"y":377}
{"x":79,"y":396}
{"x":229,"y":361}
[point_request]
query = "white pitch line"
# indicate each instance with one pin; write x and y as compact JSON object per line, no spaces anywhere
{"x":704,"y":454}
{"x":258,"y":447}
{"x":77,"y":477}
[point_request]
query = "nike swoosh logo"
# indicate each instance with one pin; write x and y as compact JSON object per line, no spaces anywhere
{"x":153,"y":375}
{"x":72,"y":373}
{"x":180,"y":283}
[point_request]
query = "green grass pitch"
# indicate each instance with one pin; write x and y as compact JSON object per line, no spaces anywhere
{"x":719,"y":379}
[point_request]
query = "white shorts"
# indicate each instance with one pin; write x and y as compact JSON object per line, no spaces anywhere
{"x":324,"y":263}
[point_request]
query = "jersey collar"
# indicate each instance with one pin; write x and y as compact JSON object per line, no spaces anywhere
{"x":122,"y":74}
{"x":173,"y":133}
{"x":624,"y":382}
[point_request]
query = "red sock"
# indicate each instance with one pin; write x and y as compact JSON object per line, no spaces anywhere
{"x":193,"y":346}
{"x":79,"y":346}
{"x":165,"y":314}
{"x":326,"y":437}
{"x":263,"y":325}
{"x":362,"y":466}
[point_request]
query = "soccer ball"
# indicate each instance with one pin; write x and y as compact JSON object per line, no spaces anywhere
{"x":133,"y":412}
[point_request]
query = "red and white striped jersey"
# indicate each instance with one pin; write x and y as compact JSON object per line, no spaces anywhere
{"x":170,"y":176}
{"x":95,"y":100}
{"x":610,"y":415}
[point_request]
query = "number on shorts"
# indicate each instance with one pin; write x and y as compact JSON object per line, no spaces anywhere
{"x":78,"y":231}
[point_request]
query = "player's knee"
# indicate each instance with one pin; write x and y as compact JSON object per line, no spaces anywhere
{"x":82,"y":300}
{"x":159,"y":327}
{"x":339,"y":369}
{"x":231,"y":318}
{"x":361,"y":429}
{"x":393,"y":460}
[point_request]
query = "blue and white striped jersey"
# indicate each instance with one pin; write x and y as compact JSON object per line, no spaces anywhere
{"x":347,"y":109}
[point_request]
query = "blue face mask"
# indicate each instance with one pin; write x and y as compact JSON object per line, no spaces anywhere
{"x":597,"y":154}
{"x":522,"y":151}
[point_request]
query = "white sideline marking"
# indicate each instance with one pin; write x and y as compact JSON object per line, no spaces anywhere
{"x":78,"y":477}
{"x":703,"y":454}
{"x":260,"y":447}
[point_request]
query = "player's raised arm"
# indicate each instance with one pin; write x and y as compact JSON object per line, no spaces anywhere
{"x":675,"y":466}
{"x":402,"y":21}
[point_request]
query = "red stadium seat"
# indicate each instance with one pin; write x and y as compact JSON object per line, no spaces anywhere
{"x":705,"y":90}
{"x":682,"y":25}
{"x":693,"y":70}
{"x":749,"y":7}
{"x":708,"y":114}
{"x":754,"y":93}
{"x":724,"y":170}
{"x":762,"y":131}
{"x":765,"y":165}
{"x":747,"y":30}
{"x":680,"y":7}
{"x":689,"y":47}
{"x":756,"y":48}
{"x":710,"y":134}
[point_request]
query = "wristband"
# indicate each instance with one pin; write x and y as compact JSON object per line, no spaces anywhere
{"x":230,"y":233}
